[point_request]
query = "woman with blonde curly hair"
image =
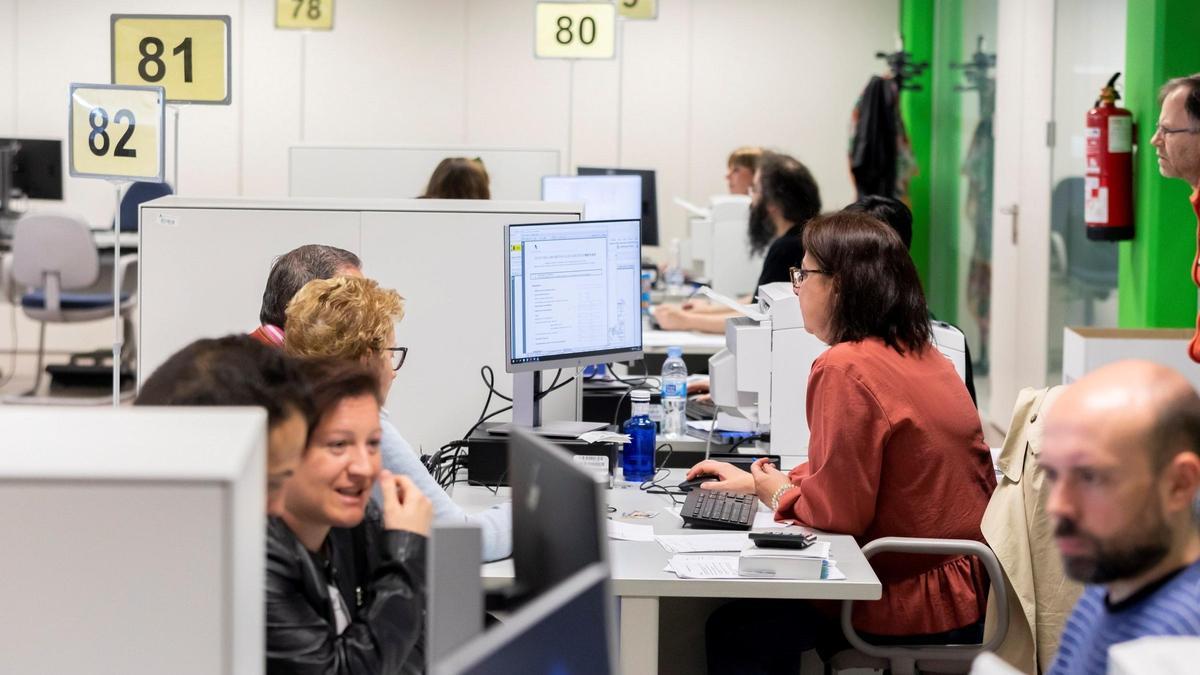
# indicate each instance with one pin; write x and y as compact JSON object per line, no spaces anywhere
{"x":354,"y":319}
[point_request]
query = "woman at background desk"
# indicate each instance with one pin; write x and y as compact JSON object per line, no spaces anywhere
{"x":896,"y":449}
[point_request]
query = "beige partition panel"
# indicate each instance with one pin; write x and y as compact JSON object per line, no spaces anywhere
{"x":205,"y":263}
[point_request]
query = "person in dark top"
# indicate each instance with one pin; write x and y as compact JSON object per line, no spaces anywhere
{"x":891,"y":212}
{"x":783,"y":198}
{"x":1121,"y":456}
{"x":345,"y":586}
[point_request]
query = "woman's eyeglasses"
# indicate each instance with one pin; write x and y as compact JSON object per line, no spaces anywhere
{"x":799,"y":274}
{"x":398,"y":354}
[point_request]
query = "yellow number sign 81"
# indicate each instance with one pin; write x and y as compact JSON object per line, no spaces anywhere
{"x":575,"y":30}
{"x":186,"y":55}
{"x":116,"y":132}
{"x":304,"y":14}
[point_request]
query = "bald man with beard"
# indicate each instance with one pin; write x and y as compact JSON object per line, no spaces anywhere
{"x":1121,"y":454}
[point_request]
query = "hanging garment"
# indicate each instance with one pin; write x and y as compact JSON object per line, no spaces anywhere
{"x":881,"y":155}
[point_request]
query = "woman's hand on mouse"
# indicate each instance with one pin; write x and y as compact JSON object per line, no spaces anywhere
{"x":731,"y":478}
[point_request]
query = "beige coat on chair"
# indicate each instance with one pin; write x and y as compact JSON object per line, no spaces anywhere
{"x":1018,"y":529}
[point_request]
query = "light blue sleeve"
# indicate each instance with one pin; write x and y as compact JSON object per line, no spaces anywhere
{"x":496,"y":522}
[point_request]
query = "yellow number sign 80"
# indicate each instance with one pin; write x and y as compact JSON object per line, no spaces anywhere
{"x":575,"y":30}
{"x":116,"y":132}
{"x":186,"y":55}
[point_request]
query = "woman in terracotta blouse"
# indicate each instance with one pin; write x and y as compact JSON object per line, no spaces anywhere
{"x":896,"y":449}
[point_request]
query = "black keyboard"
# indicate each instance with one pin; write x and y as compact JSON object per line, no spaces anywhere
{"x":712,"y":509}
{"x":700,"y":410}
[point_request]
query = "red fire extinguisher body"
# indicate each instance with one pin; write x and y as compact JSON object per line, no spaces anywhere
{"x":1108,"y":193}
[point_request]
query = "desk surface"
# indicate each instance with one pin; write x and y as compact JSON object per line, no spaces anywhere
{"x":655,"y":341}
{"x":637,"y":567}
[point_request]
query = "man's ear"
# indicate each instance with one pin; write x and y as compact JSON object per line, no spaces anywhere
{"x":1182,"y":477}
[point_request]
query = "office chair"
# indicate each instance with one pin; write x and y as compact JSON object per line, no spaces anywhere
{"x":137,"y":193}
{"x":51,"y":255}
{"x":910,"y":659}
{"x":1090,"y":267}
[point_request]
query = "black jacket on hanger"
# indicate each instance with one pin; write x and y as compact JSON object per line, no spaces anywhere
{"x":873,"y":150}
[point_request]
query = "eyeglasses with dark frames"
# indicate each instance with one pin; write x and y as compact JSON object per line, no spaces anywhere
{"x":799,"y":274}
{"x":1167,"y":131}
{"x":398,"y":354}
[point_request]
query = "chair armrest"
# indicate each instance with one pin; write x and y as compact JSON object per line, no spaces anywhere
{"x":122,"y":267}
{"x":934,"y":547}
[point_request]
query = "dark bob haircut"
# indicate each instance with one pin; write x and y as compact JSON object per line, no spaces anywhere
{"x":334,"y":380}
{"x":459,"y":178}
{"x":877,"y":292}
{"x":236,"y":370}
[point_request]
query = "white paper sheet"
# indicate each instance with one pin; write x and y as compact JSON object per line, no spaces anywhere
{"x":819,"y":549}
{"x":765,"y":520}
{"x":704,"y":566}
{"x":706,"y":543}
{"x":630,"y":531}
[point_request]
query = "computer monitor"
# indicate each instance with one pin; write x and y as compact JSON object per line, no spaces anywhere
{"x":649,"y":197}
{"x":603,"y":197}
{"x":572,"y":294}
{"x":558,"y":514}
{"x":37,"y":168}
{"x":568,"y":630}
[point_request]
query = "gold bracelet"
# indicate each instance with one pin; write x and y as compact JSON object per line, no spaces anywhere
{"x":779,"y":495}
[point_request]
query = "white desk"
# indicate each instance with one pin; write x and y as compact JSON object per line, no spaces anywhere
{"x":657,"y":341}
{"x":638,"y":579}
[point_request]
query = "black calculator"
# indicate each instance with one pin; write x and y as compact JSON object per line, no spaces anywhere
{"x":782,"y":539}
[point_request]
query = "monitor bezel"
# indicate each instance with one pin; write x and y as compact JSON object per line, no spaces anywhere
{"x":567,"y":360}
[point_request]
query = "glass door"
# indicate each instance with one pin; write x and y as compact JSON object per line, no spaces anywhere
{"x":1089,"y":46}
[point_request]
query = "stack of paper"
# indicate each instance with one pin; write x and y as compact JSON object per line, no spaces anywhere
{"x":785,"y":563}
{"x":703,"y":566}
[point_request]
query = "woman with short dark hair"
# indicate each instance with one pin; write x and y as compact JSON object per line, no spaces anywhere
{"x":345,"y":586}
{"x":895,"y":449}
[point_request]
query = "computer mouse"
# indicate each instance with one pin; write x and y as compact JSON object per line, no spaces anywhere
{"x":689,"y":485}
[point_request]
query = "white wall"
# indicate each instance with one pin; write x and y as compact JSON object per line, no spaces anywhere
{"x":705,"y":77}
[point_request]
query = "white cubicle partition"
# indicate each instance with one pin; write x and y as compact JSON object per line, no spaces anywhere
{"x":133,"y":540}
{"x":204,"y":263}
{"x":391,"y":172}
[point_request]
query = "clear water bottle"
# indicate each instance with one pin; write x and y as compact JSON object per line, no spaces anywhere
{"x":674,"y":393}
{"x":674,"y":273}
{"x":637,"y":457}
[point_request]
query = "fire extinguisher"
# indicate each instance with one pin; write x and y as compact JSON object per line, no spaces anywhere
{"x":1108,"y":185}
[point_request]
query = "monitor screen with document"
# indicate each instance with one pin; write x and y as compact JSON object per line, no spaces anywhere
{"x":649,"y":197}
{"x":603,"y":197}
{"x":572,"y":294}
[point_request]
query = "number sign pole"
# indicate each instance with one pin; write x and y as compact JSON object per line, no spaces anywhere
{"x":116,"y":133}
{"x":175,"y":145}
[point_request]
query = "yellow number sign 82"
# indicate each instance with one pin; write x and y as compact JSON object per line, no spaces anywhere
{"x":186,"y":55}
{"x":116,"y":132}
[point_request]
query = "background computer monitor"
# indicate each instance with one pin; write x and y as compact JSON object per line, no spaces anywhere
{"x":572,"y":294}
{"x":649,"y":197}
{"x":558,"y":514}
{"x":567,"y":630}
{"x":603,"y":197}
{"x":37,"y":168}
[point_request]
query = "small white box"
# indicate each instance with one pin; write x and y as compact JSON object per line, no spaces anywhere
{"x":1086,"y":349}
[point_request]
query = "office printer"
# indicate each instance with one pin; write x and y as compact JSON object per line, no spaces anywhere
{"x":719,"y":245}
{"x":762,"y":373}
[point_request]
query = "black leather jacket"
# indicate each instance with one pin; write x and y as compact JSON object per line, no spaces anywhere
{"x":381,"y":576}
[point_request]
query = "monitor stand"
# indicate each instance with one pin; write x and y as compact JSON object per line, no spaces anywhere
{"x":527,"y":412}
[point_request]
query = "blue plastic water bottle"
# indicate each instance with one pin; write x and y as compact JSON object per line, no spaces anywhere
{"x":637,"y":459}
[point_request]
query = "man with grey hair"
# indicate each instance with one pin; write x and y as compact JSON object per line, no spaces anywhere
{"x":1121,"y":456}
{"x":1177,"y":141}
{"x":288,"y":275}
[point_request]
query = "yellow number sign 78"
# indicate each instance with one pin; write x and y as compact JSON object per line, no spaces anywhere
{"x":188,"y":56}
{"x":304,"y":14}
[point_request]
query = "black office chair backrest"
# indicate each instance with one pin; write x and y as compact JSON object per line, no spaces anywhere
{"x":136,"y":194}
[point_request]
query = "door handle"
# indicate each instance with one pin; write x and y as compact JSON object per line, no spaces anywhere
{"x":1014,"y":212}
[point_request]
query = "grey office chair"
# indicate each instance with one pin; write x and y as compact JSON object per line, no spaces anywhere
{"x":910,"y":659}
{"x":53,"y":254}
